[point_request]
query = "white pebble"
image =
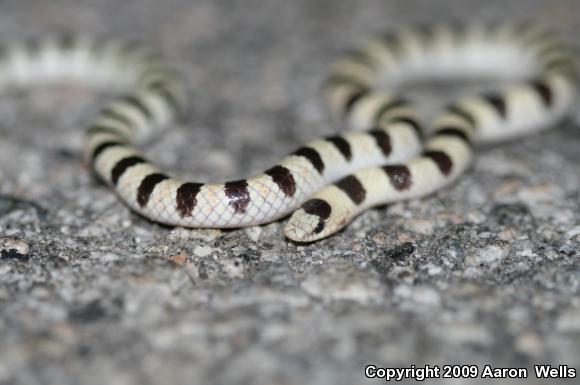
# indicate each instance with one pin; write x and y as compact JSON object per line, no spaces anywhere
{"x":7,"y":244}
{"x":492,"y":254}
{"x":202,"y":251}
{"x":253,"y":232}
{"x":574,"y":231}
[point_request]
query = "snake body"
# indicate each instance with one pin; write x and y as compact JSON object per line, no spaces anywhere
{"x":330,"y":180}
{"x":543,"y":67}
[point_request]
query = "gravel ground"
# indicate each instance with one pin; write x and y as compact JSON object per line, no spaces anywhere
{"x":485,"y":272}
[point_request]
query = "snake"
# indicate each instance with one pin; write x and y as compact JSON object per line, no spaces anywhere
{"x":385,"y":154}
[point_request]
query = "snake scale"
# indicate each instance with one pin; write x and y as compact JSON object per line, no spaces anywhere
{"x":387,"y":155}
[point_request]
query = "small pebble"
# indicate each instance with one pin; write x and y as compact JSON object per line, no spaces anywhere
{"x":420,"y":226}
{"x":253,"y":232}
{"x":178,"y":259}
{"x":12,"y":248}
{"x":573,"y":232}
{"x":202,"y":251}
{"x":380,"y":238}
{"x":492,"y":254}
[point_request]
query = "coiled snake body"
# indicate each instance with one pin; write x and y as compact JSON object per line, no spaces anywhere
{"x":330,"y":180}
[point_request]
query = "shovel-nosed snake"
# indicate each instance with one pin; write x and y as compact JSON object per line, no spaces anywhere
{"x":327,"y":181}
